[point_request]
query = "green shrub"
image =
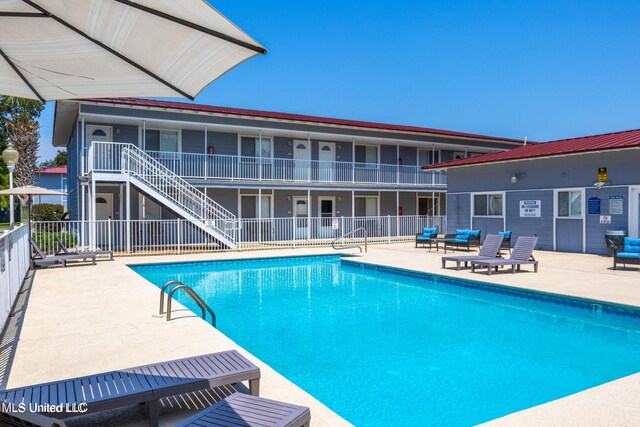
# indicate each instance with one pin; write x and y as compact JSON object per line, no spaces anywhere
{"x":46,"y":212}
{"x":47,"y":241}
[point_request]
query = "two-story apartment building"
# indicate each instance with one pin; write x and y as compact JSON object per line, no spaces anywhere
{"x":137,"y":159}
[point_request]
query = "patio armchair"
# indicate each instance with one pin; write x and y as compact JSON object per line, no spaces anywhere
{"x":462,"y":239}
{"x":427,"y":236}
{"x":629,"y":253}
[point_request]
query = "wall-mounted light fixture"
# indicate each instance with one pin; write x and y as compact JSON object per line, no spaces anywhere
{"x":289,"y":198}
{"x":339,"y":198}
{"x":517,"y":177}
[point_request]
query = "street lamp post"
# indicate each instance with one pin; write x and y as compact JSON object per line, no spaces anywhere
{"x":10,"y":156}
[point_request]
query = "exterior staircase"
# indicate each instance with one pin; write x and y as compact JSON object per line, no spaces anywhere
{"x":175,"y":193}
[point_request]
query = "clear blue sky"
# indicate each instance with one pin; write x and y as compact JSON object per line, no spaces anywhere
{"x":542,"y":69}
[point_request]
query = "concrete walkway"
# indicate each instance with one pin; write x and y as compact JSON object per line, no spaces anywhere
{"x":89,"y":319}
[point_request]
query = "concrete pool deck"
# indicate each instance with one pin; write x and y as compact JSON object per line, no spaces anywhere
{"x":89,"y":319}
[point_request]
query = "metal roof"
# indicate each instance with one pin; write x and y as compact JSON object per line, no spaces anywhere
{"x":585,"y":144}
{"x":183,"y":106}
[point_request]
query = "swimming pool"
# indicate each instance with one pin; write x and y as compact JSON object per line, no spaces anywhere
{"x":387,"y":347}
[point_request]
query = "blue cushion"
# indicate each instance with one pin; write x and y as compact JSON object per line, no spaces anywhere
{"x":632,"y":255}
{"x":424,"y":238}
{"x":461,"y":232}
{"x":474,"y":233}
{"x":631,"y":245}
{"x":506,"y":234}
{"x":465,"y":240}
{"x":427,"y":232}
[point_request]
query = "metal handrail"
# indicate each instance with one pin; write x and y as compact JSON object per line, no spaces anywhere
{"x":366,"y":235}
{"x":140,"y":164}
{"x":194,"y":296}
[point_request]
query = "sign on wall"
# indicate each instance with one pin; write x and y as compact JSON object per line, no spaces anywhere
{"x":616,"y":205}
{"x":605,"y":219}
{"x":530,"y":208}
{"x":593,"y":206}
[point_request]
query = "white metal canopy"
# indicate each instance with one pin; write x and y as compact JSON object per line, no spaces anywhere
{"x":54,"y":49}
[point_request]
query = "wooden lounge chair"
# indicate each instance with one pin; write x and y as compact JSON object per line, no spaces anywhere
{"x":249,"y":411}
{"x":143,"y":384}
{"x":65,"y":251}
{"x":490,"y":250}
{"x":427,"y":236}
{"x":41,"y":259}
{"x":521,"y":254}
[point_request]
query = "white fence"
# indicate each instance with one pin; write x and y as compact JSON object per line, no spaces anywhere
{"x":140,"y":237}
{"x":15,"y":255}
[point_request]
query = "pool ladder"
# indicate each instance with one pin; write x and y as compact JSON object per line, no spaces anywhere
{"x":192,"y":294}
{"x":339,"y":247}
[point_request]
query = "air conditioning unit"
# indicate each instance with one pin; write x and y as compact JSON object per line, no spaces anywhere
{"x":457,"y":155}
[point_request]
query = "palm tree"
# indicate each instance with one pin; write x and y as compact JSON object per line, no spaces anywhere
{"x":19,"y":127}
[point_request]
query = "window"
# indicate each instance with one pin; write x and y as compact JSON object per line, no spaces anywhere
{"x":366,"y":206}
{"x":167,"y":141}
{"x":366,"y":154}
{"x":250,"y":206}
{"x":255,"y":147}
{"x":487,"y":205}
{"x":428,"y":157}
{"x":570,"y":204}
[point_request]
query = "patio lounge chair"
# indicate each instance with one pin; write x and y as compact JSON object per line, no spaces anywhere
{"x":41,"y":259}
{"x":65,"y":251}
{"x":248,"y":411}
{"x":521,"y":254}
{"x":629,"y":253}
{"x":143,"y":384}
{"x":427,"y":236}
{"x":462,"y":239}
{"x":489,"y":250}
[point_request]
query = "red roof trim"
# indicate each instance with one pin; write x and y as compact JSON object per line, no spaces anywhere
{"x":53,"y":170}
{"x":585,"y":144}
{"x":139,"y":102}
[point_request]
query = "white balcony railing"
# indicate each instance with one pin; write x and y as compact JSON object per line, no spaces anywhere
{"x":142,"y":237}
{"x":231,"y":168}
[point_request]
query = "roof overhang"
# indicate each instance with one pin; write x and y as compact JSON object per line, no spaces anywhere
{"x":64,"y":116}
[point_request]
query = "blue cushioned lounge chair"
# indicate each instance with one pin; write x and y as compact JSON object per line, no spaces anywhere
{"x":628,"y":254}
{"x":427,"y":236}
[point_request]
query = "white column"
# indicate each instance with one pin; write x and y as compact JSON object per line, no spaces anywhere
{"x":353,"y":204}
{"x":397,"y":213}
{"x":93,"y":214}
{"x":128,"y":215}
{"x":353,"y":161}
{"x":308,"y":214}
{"x":206,"y":157}
{"x":82,"y":147}
{"x":259,"y":214}
{"x":397,"y":162}
{"x":144,"y":136}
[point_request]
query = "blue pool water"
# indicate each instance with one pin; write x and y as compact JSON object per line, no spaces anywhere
{"x":385,"y":349}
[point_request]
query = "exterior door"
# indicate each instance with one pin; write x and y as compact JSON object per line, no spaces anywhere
{"x":301,"y":217}
{"x":301,"y":164}
{"x":326,"y":212}
{"x":104,"y":157}
{"x":327,"y":158}
{"x":104,"y":206}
